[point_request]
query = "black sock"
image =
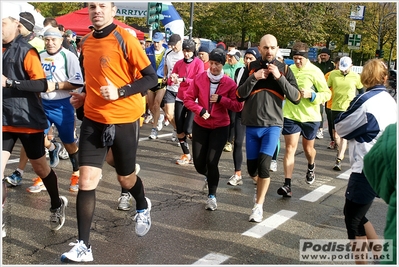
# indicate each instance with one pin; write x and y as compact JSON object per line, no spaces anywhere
{"x":51,"y":184}
{"x":85,"y":205}
{"x":137,"y":192}
{"x":287,"y":181}
{"x":311,"y":166}
{"x":184,"y":145}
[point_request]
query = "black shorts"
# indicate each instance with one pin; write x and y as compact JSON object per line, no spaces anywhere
{"x":32,"y":143}
{"x":158,"y":87}
{"x":124,"y":146}
{"x":169,"y":97}
{"x":307,"y":129}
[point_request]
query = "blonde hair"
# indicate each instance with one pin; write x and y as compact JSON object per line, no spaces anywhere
{"x":374,"y":72}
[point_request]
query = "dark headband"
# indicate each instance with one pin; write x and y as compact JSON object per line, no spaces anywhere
{"x":299,"y":53}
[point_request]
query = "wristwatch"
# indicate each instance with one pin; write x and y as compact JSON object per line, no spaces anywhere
{"x":121,"y":92}
{"x":57,"y":86}
{"x":9,"y":83}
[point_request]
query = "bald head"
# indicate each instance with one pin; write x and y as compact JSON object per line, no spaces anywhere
{"x":268,"y":47}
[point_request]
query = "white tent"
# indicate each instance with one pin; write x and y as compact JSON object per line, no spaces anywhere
{"x":26,"y":7}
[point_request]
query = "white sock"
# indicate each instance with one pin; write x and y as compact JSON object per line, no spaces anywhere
{"x":52,"y":147}
{"x":20,"y":171}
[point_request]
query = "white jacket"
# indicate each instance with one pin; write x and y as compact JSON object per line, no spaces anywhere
{"x":364,"y":121}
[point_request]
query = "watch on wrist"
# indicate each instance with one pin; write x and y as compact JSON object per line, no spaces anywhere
{"x":9,"y":83}
{"x":121,"y":92}
{"x":57,"y":86}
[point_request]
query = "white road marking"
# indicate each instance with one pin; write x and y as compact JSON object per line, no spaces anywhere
{"x":159,"y":136}
{"x":270,"y":223}
{"x":345,"y":175}
{"x":317,"y":193}
{"x":10,"y":161}
{"x":212,"y":259}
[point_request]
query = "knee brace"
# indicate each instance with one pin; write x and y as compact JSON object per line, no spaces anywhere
{"x":252,"y":165}
{"x":264,"y":165}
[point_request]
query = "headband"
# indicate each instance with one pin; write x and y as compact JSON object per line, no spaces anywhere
{"x":299,"y":53}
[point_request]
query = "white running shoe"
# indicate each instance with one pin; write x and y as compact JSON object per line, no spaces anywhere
{"x":160,"y":122}
{"x":273,"y":166}
{"x":257,"y":214}
{"x":143,"y":220}
{"x":235,"y":180}
{"x":211,"y":203}
{"x":79,"y":253}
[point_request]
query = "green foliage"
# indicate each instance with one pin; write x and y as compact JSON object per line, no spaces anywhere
{"x":310,"y":22}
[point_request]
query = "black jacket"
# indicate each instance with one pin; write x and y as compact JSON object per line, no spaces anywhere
{"x":22,"y":105}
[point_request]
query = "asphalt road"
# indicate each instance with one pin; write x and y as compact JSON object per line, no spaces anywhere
{"x":183,"y":232}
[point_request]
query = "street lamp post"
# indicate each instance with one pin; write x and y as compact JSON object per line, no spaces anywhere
{"x":379,"y":29}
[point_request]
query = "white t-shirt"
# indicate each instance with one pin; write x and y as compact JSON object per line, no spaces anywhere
{"x":170,"y":61}
{"x":61,"y":67}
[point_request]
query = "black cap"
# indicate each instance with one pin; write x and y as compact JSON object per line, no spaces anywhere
{"x":326,"y":51}
{"x":203,"y":48}
{"x":173,"y":39}
{"x":218,"y":55}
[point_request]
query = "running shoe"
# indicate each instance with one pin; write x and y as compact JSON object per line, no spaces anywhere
{"x":235,"y":180}
{"x":211,"y":203}
{"x":310,"y":177}
{"x":57,"y":217}
{"x":14,"y":179}
{"x":257,"y":214}
{"x":143,"y":220}
{"x":154,"y":133}
{"x":273,"y":166}
{"x":37,"y":186}
{"x":53,"y":155}
{"x":74,"y":185}
{"x":125,"y":201}
{"x":184,"y":160}
{"x":79,"y":253}
{"x":285,"y":191}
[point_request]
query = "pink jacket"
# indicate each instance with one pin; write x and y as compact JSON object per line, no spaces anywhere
{"x":188,"y":71}
{"x":200,"y":89}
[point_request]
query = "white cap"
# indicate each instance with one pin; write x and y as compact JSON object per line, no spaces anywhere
{"x":9,"y":9}
{"x":345,"y":63}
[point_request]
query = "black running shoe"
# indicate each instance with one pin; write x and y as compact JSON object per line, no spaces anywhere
{"x":285,"y":191}
{"x":310,"y":176}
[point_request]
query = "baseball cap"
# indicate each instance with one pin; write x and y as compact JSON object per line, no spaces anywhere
{"x":173,"y":39}
{"x":345,"y":63}
{"x":157,"y":37}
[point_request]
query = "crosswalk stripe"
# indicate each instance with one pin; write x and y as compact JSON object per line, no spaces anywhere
{"x":317,"y":193}
{"x":345,"y":175}
{"x":212,"y":259}
{"x":270,"y":224}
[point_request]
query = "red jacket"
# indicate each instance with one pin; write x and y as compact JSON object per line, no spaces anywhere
{"x":200,"y":90}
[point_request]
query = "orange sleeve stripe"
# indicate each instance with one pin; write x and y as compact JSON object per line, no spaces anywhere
{"x":13,"y":129}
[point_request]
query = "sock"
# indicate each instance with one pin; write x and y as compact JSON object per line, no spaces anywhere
{"x":311,"y":166}
{"x":51,"y":184}
{"x":137,"y":192}
{"x":85,"y":205}
{"x":20,"y":171}
{"x":339,"y":159}
{"x":184,"y":145}
{"x":52,"y":147}
{"x":211,"y":196}
{"x":287,"y":181}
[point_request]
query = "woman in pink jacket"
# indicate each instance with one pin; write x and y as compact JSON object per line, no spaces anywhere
{"x":210,"y":95}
